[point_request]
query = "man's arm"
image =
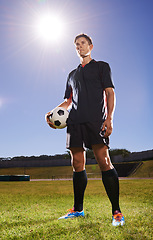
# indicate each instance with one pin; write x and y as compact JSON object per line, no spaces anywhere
{"x":111,"y":102}
{"x":66,"y":104}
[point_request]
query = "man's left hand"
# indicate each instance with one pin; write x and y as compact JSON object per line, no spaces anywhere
{"x":108,"y":127}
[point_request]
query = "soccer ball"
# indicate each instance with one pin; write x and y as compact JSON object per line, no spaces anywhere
{"x":58,"y":117}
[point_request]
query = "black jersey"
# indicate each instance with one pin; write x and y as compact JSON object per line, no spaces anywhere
{"x":86,"y":85}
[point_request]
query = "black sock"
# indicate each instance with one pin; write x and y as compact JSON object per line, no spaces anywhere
{"x":79,"y":186}
{"x":111,"y":184}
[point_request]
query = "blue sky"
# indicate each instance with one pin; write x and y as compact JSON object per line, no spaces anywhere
{"x":33,"y":74}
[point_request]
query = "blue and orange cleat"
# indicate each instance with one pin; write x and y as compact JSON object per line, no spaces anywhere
{"x":118,"y":219}
{"x":72,"y":214}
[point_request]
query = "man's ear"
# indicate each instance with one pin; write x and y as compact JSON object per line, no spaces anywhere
{"x":91,"y":47}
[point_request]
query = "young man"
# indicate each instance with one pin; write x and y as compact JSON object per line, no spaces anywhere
{"x":90,"y":91}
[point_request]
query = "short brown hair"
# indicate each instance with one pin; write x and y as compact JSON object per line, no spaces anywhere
{"x":85,"y":36}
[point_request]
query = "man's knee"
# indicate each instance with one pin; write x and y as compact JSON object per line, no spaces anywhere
{"x":102,"y":156}
{"x":78,"y":159}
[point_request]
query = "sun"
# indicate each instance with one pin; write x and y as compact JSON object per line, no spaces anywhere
{"x":49,"y":27}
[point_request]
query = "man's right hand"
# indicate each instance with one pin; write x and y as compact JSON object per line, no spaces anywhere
{"x":65,"y":104}
{"x":47,"y":120}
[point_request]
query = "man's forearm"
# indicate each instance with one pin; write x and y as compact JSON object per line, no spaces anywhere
{"x":111,"y":102}
{"x":66,"y":104}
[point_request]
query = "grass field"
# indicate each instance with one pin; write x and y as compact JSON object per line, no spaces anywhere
{"x":48,"y":172}
{"x":29,"y":210}
{"x":146,"y":170}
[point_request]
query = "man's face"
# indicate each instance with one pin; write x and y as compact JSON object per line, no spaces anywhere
{"x":82,"y":47}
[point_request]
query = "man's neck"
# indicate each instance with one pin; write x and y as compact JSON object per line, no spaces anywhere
{"x":85,"y":60}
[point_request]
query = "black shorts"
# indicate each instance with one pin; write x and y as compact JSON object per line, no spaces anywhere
{"x":85,"y":135}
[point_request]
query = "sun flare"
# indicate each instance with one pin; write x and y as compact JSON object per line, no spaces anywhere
{"x":49,"y":27}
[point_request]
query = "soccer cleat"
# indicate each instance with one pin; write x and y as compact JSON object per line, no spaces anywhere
{"x":72,"y":214}
{"x":118,"y":219}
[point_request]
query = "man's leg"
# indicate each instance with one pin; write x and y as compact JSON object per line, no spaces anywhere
{"x":79,"y":182}
{"x":79,"y":177}
{"x":109,"y":175}
{"x":110,"y":181}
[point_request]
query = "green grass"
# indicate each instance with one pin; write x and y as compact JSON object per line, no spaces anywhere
{"x":48,"y":172}
{"x":29,"y":210}
{"x":146,"y":170}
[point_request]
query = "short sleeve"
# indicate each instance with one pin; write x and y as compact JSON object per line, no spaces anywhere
{"x":106,"y":76}
{"x":68,"y":90}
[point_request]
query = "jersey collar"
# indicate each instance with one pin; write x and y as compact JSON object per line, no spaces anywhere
{"x":80,"y":65}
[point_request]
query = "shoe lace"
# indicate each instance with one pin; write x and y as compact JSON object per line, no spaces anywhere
{"x":70,"y":210}
{"x":118,"y":216}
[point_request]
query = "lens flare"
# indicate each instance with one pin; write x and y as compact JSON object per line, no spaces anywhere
{"x":49,"y":27}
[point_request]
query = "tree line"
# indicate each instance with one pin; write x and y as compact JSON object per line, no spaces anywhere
{"x":89,"y":154}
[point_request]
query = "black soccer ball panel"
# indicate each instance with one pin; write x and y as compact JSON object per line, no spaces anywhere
{"x":60,"y":112}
